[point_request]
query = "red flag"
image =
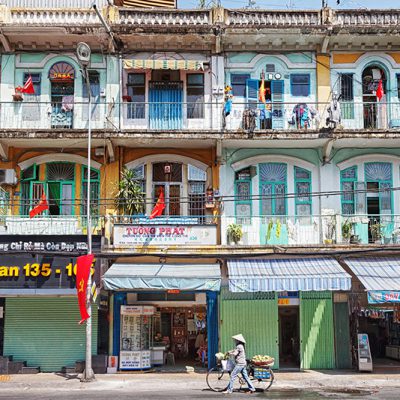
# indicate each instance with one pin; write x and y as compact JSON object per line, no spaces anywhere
{"x":379,"y":90}
{"x":28,"y":87}
{"x":262,"y":91}
{"x":43,"y":205}
{"x":160,"y":205}
{"x":84,"y":264}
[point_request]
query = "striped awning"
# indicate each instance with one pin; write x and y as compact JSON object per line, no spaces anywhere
{"x":287,"y":274}
{"x":376,"y":273}
{"x":192,"y":65}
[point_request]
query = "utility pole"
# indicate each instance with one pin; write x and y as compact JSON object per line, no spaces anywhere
{"x":83,"y":54}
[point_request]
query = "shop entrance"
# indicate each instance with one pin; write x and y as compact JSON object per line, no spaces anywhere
{"x":289,"y":333}
{"x":2,"y":307}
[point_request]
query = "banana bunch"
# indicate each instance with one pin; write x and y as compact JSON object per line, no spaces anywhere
{"x":262,"y":359}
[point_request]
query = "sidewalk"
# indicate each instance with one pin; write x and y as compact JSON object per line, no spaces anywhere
{"x":146,"y":382}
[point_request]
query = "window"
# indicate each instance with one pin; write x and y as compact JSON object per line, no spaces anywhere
{"x":300,"y":85}
{"x":243,"y":196}
{"x":28,"y":176}
{"x":140,"y":177}
{"x":348,"y":179}
{"x":36,"y":79}
{"x":197,"y":192}
{"x":302,"y":181}
{"x":94,"y":79}
{"x":136,"y":89}
{"x":195,"y":96}
{"x":398,"y":86}
{"x":94,"y":191}
{"x":346,"y":95}
{"x":238,"y":83}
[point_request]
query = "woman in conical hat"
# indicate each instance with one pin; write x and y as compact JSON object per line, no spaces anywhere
{"x":240,"y":361}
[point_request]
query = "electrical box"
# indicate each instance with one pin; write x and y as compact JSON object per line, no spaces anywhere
{"x":8,"y":177}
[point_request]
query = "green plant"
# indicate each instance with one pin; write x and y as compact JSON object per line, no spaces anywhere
{"x":235,"y":232}
{"x":130,"y":198}
{"x":269,"y":229}
{"x":347,"y":228}
{"x":376,"y":231}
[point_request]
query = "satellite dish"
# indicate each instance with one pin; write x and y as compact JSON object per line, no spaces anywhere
{"x":83,"y":53}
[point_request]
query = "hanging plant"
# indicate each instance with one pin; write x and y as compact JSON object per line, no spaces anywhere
{"x":269,"y":229}
{"x":278,"y":228}
{"x":235,"y":233}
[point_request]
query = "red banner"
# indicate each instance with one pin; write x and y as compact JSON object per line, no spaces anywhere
{"x":84,"y":264}
{"x":159,"y":207}
{"x":42,"y":206}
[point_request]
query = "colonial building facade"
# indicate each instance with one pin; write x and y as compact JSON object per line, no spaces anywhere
{"x":273,"y":138}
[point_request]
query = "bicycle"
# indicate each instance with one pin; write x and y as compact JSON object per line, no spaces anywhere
{"x":262,"y":376}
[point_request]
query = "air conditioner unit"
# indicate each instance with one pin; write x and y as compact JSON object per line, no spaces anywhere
{"x":8,"y":177}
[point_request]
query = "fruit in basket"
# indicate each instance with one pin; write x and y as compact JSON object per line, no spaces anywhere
{"x":262,"y":359}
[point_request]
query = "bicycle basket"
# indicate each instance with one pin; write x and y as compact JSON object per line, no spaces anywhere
{"x":262,"y":373}
{"x":227,"y":365}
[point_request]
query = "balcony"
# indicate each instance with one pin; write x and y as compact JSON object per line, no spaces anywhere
{"x":245,"y":117}
{"x":46,"y":115}
{"x":47,"y":225}
{"x":316,"y":230}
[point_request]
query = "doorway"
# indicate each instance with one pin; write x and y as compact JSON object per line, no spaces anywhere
{"x":289,"y":337}
{"x":374,"y":106}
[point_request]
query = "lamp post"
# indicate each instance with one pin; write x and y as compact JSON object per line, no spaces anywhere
{"x":83,"y":54}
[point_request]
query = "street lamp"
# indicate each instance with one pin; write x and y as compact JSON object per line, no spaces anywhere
{"x":83,"y":53}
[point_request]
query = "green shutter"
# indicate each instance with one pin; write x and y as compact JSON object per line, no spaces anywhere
{"x":316,"y":330}
{"x":342,"y":336}
{"x":255,"y":316}
{"x":45,"y":332}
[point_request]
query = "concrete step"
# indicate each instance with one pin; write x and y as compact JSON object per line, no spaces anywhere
{"x":30,"y":370}
{"x":15,"y":367}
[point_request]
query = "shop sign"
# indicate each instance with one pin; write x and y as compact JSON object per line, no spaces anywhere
{"x":288,"y":298}
{"x":137,"y":310}
{"x":39,"y":272}
{"x":126,"y":235}
{"x":383,"y":296}
{"x":47,"y":243}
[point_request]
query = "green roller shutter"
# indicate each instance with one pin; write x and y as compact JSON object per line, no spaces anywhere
{"x":45,"y":332}
{"x":255,"y":316}
{"x":342,"y":336}
{"x":316,"y":330}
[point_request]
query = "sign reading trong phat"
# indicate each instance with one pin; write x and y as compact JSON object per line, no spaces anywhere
{"x":125,"y":235}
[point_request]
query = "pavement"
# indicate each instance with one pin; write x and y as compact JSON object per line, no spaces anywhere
{"x":287,"y":385}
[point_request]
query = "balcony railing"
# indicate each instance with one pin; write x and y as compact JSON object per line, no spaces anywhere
{"x":200,"y":116}
{"x":48,"y":225}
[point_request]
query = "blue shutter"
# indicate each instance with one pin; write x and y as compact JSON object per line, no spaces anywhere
{"x":278,"y":111}
{"x":252,"y":92}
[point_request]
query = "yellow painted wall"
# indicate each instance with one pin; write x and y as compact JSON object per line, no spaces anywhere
{"x":345,"y":58}
{"x":395,"y":56}
{"x":323,"y":82}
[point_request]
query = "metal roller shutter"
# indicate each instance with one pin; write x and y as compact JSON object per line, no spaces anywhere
{"x":316,"y":330}
{"x":255,"y":315}
{"x":45,"y":332}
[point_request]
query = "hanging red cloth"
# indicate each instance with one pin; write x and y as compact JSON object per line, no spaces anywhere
{"x":84,"y":264}
{"x":160,"y":205}
{"x":43,"y":205}
{"x":379,"y":90}
{"x":27,"y":88}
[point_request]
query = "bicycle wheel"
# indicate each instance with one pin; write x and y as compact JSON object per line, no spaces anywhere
{"x":217,"y":379}
{"x":263,"y":384}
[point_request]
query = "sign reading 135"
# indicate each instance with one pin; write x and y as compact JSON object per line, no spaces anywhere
{"x":44,"y":269}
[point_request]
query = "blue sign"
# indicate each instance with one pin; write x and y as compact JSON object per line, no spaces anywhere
{"x":383,"y":296}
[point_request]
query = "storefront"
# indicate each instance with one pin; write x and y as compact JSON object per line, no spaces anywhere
{"x":287,"y":308}
{"x":41,"y":312}
{"x":375,"y":306}
{"x":164,"y":313}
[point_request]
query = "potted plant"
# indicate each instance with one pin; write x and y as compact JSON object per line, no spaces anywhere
{"x":235,"y":233}
{"x":347,"y":228}
{"x":330,"y":230}
{"x":130,"y":197}
{"x":376,"y":232}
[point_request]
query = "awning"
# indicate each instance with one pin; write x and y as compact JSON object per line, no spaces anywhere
{"x":192,"y":65}
{"x":163,"y":277}
{"x":289,"y":274}
{"x":380,"y":277}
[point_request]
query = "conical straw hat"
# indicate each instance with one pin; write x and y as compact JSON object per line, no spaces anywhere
{"x":239,"y":338}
